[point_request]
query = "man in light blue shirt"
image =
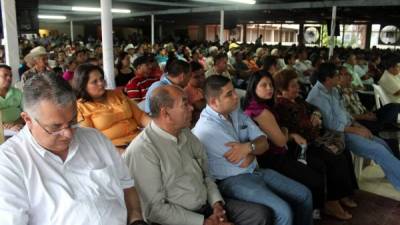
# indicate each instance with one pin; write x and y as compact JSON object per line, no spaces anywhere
{"x":232,"y":140}
{"x":178,"y":73}
{"x":358,"y":139}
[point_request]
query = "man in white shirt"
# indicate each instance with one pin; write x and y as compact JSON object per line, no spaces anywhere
{"x":55,"y":173}
{"x":390,"y":80}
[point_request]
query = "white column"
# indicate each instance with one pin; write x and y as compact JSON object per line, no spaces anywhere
{"x":152,"y":29}
{"x":10,"y":36}
{"x":221,"y":28}
{"x":107,"y":37}
{"x":71,"y":25}
{"x":242,"y":33}
{"x":333,"y":24}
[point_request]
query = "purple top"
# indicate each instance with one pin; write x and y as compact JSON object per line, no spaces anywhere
{"x":254,"y":109}
{"x":68,"y":75}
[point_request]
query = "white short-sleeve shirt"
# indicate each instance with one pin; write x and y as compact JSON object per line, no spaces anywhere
{"x":38,"y":188}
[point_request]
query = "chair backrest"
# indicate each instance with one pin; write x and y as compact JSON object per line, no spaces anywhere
{"x":381,"y":98}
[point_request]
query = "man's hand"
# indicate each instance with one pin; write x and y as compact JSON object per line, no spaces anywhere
{"x":219,"y":211}
{"x":370,"y":116}
{"x":364,"y":132}
{"x":247,"y":161}
{"x":237,"y":152}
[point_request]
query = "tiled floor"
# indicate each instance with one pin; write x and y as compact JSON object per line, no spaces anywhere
{"x":373,"y":180}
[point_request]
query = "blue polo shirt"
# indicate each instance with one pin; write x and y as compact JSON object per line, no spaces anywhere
{"x":214,"y":130}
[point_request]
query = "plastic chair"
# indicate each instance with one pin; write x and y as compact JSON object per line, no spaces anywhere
{"x":381,"y":98}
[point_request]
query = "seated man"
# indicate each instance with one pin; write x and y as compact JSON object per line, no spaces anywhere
{"x":194,"y":90}
{"x":358,"y":138}
{"x":178,"y":73}
{"x":390,"y":80}
{"x":220,"y":66}
{"x":169,"y":166}
{"x":232,"y":140}
{"x":10,"y":101}
{"x":56,"y":173}
{"x":137,"y":87}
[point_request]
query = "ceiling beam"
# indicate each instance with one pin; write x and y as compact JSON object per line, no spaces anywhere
{"x":162,"y":3}
{"x":275,"y":6}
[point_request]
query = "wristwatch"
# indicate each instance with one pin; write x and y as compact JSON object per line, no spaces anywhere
{"x":252,"y":146}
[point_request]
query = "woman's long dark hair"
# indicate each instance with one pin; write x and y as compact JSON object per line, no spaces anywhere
{"x":251,"y":89}
{"x":81,"y":79}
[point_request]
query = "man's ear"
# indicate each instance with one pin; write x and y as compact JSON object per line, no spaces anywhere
{"x":28,"y":120}
{"x":213,"y":101}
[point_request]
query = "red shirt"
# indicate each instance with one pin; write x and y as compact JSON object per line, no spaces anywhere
{"x":136,"y":88}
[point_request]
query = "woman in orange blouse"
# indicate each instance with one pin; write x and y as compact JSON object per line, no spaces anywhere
{"x":109,"y":111}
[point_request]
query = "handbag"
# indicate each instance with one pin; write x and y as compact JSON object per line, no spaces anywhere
{"x":331,"y":141}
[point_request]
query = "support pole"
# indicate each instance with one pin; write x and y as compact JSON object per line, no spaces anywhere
{"x":368,"y":36}
{"x":160,"y":32}
{"x":221,"y":28}
{"x":71,"y":25}
{"x":10,"y":36}
{"x":107,"y":41}
{"x":333,"y":24}
{"x":152,"y":29}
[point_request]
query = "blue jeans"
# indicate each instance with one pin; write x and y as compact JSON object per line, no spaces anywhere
{"x":377,"y":150}
{"x":269,"y":188}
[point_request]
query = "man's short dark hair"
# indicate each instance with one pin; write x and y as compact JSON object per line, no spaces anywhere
{"x":326,"y":70}
{"x":178,"y":67}
{"x":196,"y":66}
{"x":140,"y":61}
{"x":5,"y":66}
{"x":269,"y":61}
{"x":220,"y":56}
{"x":391,"y":61}
{"x":214,"y":84}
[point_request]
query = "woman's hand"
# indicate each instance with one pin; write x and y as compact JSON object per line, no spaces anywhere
{"x":298,"y":139}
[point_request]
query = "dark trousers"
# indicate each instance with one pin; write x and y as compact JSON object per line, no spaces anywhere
{"x":241,"y":213}
{"x":340,"y":177}
{"x":304,"y":174}
{"x":246,"y":213}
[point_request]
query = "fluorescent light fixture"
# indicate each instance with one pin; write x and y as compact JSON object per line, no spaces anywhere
{"x":52,"y":17}
{"x":311,"y":21}
{"x":252,"y":2}
{"x":94,"y":9}
{"x":251,"y":21}
{"x":289,"y":21}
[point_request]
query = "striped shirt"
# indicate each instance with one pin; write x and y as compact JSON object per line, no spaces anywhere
{"x":136,"y":88}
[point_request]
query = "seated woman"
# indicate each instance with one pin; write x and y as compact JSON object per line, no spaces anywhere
{"x":124,"y":71}
{"x":109,"y":111}
{"x":10,"y":101}
{"x":258,"y":105}
{"x":302,"y":118}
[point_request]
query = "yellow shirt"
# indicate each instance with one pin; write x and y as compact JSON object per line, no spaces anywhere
{"x":117,"y":117}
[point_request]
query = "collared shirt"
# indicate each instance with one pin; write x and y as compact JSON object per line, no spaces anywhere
{"x":171,"y":176}
{"x":330,"y":104}
{"x":10,"y":105}
{"x":162,"y":82}
{"x":351,"y":101}
{"x":301,"y":66}
{"x":212,"y":71}
{"x":31,"y":72}
{"x":117,"y":117}
{"x":357,"y":82}
{"x":38,"y":188}
{"x":390,"y":84}
{"x":214,"y":131}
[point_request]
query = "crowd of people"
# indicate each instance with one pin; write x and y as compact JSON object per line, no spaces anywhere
{"x":195,"y":133}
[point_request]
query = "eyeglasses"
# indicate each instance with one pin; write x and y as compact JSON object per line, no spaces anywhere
{"x":61,"y":131}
